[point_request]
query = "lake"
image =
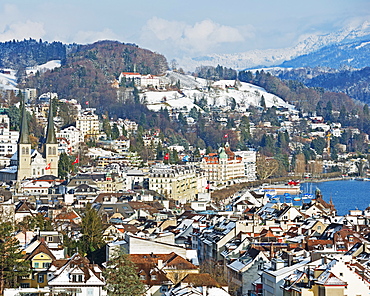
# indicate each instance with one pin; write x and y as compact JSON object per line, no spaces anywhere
{"x":346,"y":194}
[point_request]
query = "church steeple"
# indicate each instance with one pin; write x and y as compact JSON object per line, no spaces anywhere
{"x":24,"y":137}
{"x":51,"y":145}
{"x":50,"y":132}
{"x":24,"y":148}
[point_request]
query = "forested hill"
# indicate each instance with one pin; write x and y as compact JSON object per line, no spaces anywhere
{"x":89,"y":70}
{"x":20,"y":54}
{"x":354,"y":83}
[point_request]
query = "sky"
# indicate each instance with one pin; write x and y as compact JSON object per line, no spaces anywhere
{"x":179,"y":29}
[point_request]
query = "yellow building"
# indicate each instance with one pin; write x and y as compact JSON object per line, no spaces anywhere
{"x":40,"y":260}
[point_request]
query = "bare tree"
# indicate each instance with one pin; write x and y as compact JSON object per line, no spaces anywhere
{"x":266,"y":166}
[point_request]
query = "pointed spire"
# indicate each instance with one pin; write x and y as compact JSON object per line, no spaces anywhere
{"x":24,"y":137}
{"x":50,"y":132}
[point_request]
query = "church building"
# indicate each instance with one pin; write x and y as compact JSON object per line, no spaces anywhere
{"x":28,"y":163}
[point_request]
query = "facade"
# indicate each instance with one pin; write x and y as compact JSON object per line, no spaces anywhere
{"x":223,"y":166}
{"x":77,"y":275}
{"x":73,"y":135}
{"x":31,"y":163}
{"x":29,"y":94}
{"x":88,"y":123}
{"x":179,"y":183}
{"x":8,"y":138}
{"x":140,"y":80}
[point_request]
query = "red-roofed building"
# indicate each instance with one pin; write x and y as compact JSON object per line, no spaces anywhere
{"x":223,"y":166}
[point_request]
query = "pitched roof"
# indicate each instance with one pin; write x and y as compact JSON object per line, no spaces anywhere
{"x":41,"y":248}
{"x":201,"y":279}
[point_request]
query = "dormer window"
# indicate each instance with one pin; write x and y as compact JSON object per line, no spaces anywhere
{"x":77,"y":278}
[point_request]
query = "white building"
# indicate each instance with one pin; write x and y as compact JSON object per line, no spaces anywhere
{"x":29,"y":94}
{"x":249,"y":159}
{"x":88,"y":123}
{"x":77,"y":276}
{"x":73,"y":135}
{"x":8,"y":138}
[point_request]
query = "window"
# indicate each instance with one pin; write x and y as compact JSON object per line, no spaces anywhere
{"x":153,"y":277}
{"x":46,"y":265}
{"x":80,"y":278}
{"x":40,"y":278}
{"x":36,"y":265}
{"x":50,"y":238}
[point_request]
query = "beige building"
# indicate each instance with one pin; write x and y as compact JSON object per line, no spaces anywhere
{"x":179,"y":183}
{"x":223,"y":166}
{"x":88,"y":123}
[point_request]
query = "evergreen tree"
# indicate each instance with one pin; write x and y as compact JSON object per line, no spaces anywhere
{"x":159,"y":151}
{"x":91,"y":230}
{"x":263,"y":102}
{"x":106,"y":127}
{"x":38,"y":222}
{"x":244,"y":128}
{"x":64,"y":165}
{"x":14,"y":117}
{"x":174,"y":156}
{"x":11,"y":265}
{"x":115,"y":131}
{"x":121,"y":277}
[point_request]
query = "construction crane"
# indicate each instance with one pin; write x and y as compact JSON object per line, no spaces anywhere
{"x":328,"y":137}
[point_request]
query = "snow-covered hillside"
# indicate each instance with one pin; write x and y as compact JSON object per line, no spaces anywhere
{"x":269,"y":57}
{"x":218,"y":94}
{"x":44,"y":67}
{"x":8,"y":80}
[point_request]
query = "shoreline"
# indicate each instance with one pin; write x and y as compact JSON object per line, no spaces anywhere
{"x":316,"y":180}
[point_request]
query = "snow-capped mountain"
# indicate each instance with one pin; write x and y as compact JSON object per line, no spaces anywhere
{"x":270,"y":57}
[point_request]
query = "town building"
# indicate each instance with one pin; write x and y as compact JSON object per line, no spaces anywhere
{"x":29,"y":163}
{"x":224,"y":166}
{"x":8,"y":138}
{"x":179,"y":183}
{"x":88,"y":123}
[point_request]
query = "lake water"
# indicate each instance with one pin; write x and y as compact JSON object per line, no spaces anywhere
{"x":346,"y":194}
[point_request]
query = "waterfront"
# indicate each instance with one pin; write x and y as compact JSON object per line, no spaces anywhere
{"x":346,"y":194}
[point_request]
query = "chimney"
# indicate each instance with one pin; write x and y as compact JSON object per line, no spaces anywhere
{"x":160,"y":264}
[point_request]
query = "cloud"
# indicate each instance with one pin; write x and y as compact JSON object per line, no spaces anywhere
{"x":197,"y":38}
{"x":93,"y":36}
{"x":22,"y":30}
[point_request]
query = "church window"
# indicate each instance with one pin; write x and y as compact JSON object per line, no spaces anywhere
{"x":28,"y":150}
{"x":54,"y":151}
{"x":23,"y":150}
{"x":49,"y":150}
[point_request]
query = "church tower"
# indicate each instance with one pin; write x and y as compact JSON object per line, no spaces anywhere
{"x":24,"y":148}
{"x":51,"y":145}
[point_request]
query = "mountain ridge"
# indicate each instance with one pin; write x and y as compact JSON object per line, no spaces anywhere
{"x":274,"y":57}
